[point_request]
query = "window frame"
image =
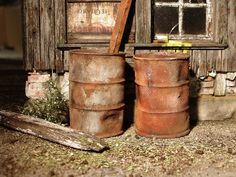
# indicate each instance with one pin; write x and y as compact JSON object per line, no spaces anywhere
{"x":219,"y":25}
{"x":181,"y":5}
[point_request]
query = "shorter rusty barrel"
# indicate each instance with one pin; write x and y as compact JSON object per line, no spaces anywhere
{"x":97,"y":92}
{"x":162,"y":90}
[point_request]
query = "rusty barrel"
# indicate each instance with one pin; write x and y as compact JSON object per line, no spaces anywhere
{"x":162,"y":90}
{"x":96,"y":92}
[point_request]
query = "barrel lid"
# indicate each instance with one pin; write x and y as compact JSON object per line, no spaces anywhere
{"x":95,"y":52}
{"x":162,"y":56}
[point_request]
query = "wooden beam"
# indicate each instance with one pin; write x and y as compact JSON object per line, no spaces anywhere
{"x":52,"y":132}
{"x":117,"y":34}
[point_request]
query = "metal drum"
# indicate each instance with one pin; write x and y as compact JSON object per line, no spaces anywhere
{"x":96,"y":95}
{"x":162,"y":90}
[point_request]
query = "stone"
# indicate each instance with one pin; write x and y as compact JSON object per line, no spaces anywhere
{"x":206,"y":91}
{"x":231,"y":90}
{"x":63,"y":82}
{"x":207,"y":84}
{"x":230,"y":83}
{"x":231,"y":76}
{"x":220,"y":85}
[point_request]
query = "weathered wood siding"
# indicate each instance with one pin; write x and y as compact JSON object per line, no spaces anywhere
{"x":44,"y":28}
{"x":224,"y":32}
{"x":50,"y":22}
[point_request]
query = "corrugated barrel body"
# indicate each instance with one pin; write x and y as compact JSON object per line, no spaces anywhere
{"x":162,"y":90}
{"x":97,"y":92}
{"x":173,"y":98}
{"x":157,"y":69}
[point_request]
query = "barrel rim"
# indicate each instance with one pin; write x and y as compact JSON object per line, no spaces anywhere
{"x":96,"y":53}
{"x":140,"y":108}
{"x":98,"y":108}
{"x":117,"y":81}
{"x":162,"y":56}
{"x":164,"y":136}
{"x":163,"y":85}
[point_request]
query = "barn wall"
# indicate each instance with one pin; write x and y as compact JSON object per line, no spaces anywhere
{"x":45,"y":27}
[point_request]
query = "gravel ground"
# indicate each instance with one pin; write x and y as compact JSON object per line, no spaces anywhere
{"x":209,"y":150}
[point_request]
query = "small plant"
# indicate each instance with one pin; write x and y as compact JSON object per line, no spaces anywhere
{"x":53,"y":107}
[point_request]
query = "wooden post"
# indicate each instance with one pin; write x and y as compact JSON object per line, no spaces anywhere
{"x":119,"y":28}
{"x":50,"y":131}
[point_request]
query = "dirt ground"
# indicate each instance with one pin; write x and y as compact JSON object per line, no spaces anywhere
{"x":209,"y":150}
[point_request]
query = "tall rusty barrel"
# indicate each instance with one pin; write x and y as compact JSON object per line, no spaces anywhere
{"x":162,"y":90}
{"x":96,"y":92}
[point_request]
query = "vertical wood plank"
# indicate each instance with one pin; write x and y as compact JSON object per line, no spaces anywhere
{"x":31,"y":34}
{"x":143,"y":21}
{"x":66,"y":60}
{"x":221,"y":21}
{"x":231,"y":53}
{"x":200,"y":57}
{"x":211,"y":60}
{"x":218,"y":59}
{"x":47,"y":45}
{"x":60,"y":32}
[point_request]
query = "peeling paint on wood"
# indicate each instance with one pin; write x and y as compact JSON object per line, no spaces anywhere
{"x":90,"y":18}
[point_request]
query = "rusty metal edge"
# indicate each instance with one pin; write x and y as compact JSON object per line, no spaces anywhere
{"x":164,"y":56}
{"x":120,"y":81}
{"x":116,"y":107}
{"x":169,"y":112}
{"x":165,"y":85}
{"x":176,"y":135}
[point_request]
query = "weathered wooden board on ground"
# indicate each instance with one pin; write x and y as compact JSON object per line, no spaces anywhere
{"x":117,"y":34}
{"x":52,"y":132}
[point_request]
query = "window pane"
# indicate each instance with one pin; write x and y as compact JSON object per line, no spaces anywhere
{"x":194,"y":21}
{"x":195,"y":1}
{"x":165,"y":18}
{"x":167,"y":0}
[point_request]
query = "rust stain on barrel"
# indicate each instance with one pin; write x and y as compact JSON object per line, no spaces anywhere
{"x":97,"y":92}
{"x":162,"y":94}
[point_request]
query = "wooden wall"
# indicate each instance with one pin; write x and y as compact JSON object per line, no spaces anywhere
{"x":45,"y":28}
{"x":225,"y":32}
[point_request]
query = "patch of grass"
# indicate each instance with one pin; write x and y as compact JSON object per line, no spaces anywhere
{"x":52,"y":107}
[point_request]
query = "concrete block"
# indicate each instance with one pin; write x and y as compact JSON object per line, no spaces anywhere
{"x":213,"y":108}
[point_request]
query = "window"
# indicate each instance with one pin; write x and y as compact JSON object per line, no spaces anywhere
{"x":185,"y":19}
{"x":188,"y":19}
